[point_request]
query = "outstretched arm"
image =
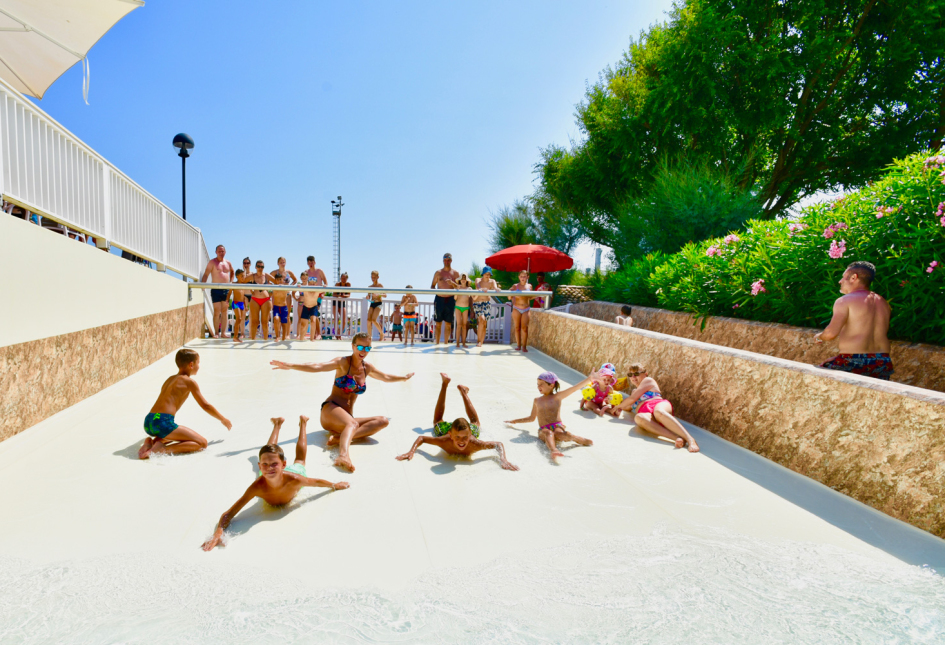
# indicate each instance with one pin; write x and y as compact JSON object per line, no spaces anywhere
{"x":840,"y":311}
{"x":227,"y":517}
{"x":205,"y":405}
{"x":576,"y":388}
{"x":407,"y":456}
{"x":327,"y":366}
{"x":530,"y":418}
{"x":373,"y":372}
{"x":499,"y":448}
{"x":322,"y":483}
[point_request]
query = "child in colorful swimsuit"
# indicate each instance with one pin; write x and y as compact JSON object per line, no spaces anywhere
{"x":547,"y":409}
{"x":281,"y":304}
{"x":164,"y":435}
{"x":461,"y":437}
{"x":239,"y":309}
{"x":602,"y":388}
{"x":397,"y":323}
{"x":276,"y":484}
{"x":651,"y":412}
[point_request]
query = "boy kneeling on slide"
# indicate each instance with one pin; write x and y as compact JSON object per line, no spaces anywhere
{"x":276,"y":484}
{"x":460,"y":437}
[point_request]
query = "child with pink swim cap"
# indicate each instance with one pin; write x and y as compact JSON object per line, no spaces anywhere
{"x":602,"y":388}
{"x":547,"y":409}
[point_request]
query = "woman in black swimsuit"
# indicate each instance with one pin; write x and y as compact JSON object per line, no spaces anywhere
{"x":337,"y":416}
{"x":374,"y":313}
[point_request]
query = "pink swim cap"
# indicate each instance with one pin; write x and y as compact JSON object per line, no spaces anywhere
{"x":608,"y":369}
{"x":548,"y":377}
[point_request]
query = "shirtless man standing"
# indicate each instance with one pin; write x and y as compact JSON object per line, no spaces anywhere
{"x":444,"y":306}
{"x":481,"y":305}
{"x":860,"y":323}
{"x":222,"y":272}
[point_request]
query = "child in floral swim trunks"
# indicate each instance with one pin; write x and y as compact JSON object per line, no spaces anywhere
{"x":547,"y":409}
{"x":164,"y":435}
{"x":461,"y":437}
{"x":276,"y":484}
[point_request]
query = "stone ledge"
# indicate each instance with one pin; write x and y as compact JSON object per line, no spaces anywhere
{"x":881,"y":443}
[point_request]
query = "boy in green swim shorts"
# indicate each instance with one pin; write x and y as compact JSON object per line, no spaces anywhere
{"x":276,"y":483}
{"x":461,"y":437}
{"x":164,"y":435}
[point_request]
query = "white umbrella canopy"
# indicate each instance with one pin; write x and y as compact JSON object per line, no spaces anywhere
{"x":41,"y":39}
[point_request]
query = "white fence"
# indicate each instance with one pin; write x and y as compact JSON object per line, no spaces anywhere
{"x":49,"y":171}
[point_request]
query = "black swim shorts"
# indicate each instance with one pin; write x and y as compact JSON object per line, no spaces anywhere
{"x":443,"y":308}
{"x":218,"y":295}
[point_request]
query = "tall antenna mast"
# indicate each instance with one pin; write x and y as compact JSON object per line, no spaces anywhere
{"x":336,"y":250}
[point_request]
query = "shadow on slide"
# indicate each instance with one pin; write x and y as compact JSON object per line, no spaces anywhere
{"x":444,"y":463}
{"x":262,"y":512}
{"x":131,"y":452}
{"x":904,"y":541}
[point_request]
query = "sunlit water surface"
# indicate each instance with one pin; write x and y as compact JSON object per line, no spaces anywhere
{"x":669,"y":587}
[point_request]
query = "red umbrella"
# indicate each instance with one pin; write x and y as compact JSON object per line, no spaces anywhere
{"x":530,"y":257}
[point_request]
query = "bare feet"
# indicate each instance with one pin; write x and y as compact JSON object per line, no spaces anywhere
{"x":582,"y":441}
{"x":693,"y":446}
{"x":278,"y":420}
{"x":303,"y":419}
{"x":463,"y":388}
{"x":680,"y":442}
{"x":446,"y":379}
{"x":525,"y":349}
{"x":343,"y":461}
{"x":332,"y":440}
{"x":556,"y":453}
{"x":145,"y":451}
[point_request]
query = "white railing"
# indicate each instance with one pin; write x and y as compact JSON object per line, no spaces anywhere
{"x":49,"y":171}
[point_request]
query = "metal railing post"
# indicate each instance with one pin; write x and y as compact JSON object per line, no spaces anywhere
{"x":106,"y":208}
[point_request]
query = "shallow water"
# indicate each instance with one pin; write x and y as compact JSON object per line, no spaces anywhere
{"x":669,"y":587}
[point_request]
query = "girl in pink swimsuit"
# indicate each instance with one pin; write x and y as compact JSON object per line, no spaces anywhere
{"x":651,"y":412}
{"x":603,"y":386}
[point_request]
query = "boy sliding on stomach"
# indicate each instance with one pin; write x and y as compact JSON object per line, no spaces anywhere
{"x":460,"y":437}
{"x":165,"y":436}
{"x":276,"y":484}
{"x":547,"y":409}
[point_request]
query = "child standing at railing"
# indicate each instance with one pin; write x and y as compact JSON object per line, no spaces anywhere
{"x":397,"y":323}
{"x":239,"y":309}
{"x":409,"y":302}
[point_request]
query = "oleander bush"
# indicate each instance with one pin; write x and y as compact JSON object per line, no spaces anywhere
{"x":787,"y":270}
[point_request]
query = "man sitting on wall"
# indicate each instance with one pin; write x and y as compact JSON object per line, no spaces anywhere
{"x":860,"y":323}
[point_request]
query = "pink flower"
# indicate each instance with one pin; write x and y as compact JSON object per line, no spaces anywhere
{"x":731,"y":239}
{"x":942,"y":220}
{"x":837,"y":250}
{"x":713,"y":250}
{"x":932,"y":266}
{"x":889,"y":210}
{"x":796,"y":227}
{"x":736,"y":306}
{"x":833,"y":228}
{"x":758,"y":287}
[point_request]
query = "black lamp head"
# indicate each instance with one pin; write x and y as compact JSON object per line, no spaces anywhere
{"x":184,"y":142}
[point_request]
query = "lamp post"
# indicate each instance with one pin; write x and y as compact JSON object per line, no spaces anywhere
{"x":185,"y":143}
{"x":336,"y":214}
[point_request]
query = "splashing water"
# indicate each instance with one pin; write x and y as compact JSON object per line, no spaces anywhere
{"x":669,"y":587}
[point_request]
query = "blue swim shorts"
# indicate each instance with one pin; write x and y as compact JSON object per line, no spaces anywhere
{"x":282,"y":313}
{"x":309,"y":312}
{"x":159,"y":425}
{"x":238,"y":305}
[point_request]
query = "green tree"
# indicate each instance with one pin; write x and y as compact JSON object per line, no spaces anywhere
{"x":787,"y":99}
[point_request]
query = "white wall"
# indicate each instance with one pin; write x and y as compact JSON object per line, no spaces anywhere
{"x":55,"y":285}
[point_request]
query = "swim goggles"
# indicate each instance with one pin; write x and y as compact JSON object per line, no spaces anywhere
{"x":363,"y":348}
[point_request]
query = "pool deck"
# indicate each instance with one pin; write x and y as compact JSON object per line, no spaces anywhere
{"x":73,"y":488}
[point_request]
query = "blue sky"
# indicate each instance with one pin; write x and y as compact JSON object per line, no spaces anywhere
{"x":424,"y":116}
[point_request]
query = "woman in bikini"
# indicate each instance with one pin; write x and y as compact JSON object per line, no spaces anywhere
{"x":377,"y":299}
{"x":260,"y":303}
{"x":283,"y":271}
{"x":481,"y":305}
{"x":520,"y":308}
{"x":547,"y":410}
{"x":339,"y":307}
{"x":337,"y":416}
{"x":651,"y":412}
{"x":462,"y":310}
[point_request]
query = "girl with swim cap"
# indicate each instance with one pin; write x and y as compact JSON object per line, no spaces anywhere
{"x":547,"y":409}
{"x":337,"y":416}
{"x":602,"y":389}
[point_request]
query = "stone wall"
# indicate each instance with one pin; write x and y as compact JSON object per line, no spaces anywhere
{"x":42,"y":377}
{"x":878,"y":442}
{"x":916,"y":364}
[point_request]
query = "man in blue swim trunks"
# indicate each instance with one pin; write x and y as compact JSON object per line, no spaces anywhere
{"x":276,"y":483}
{"x":860,"y":324}
{"x":222,"y":272}
{"x":165,"y":436}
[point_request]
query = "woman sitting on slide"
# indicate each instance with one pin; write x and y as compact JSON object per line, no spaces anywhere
{"x":337,"y":415}
{"x":651,"y":412}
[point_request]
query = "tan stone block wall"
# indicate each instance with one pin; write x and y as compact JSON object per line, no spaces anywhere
{"x":916,"y":364}
{"x":878,"y":442}
{"x":42,"y":377}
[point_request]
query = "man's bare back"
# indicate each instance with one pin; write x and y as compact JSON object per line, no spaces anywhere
{"x":867,"y":323}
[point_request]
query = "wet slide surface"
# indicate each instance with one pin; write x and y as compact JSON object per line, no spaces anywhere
{"x":629,"y":540}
